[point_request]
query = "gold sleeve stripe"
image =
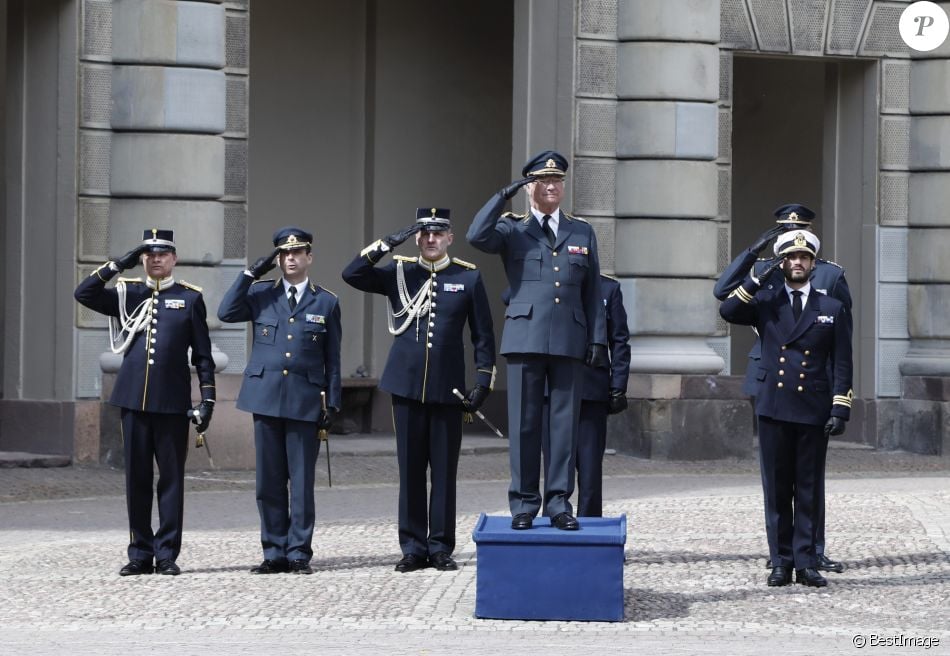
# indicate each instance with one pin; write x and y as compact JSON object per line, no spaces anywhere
{"x":840,"y":399}
{"x":371,"y":248}
{"x":741,"y":294}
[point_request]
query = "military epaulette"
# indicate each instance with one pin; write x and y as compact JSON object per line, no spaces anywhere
{"x":314,"y":289}
{"x":610,"y":277}
{"x":404,"y":258}
{"x":138,"y":280}
{"x":265,"y":280}
{"x":571,"y":217}
{"x":188,"y":285}
{"x":514,"y":215}
{"x":831,"y":263}
{"x":467,"y":265}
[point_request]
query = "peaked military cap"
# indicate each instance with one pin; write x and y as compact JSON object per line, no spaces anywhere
{"x":158,"y":241}
{"x":794,"y":213}
{"x":797,"y":241}
{"x":290,"y":237}
{"x":545,"y":163}
{"x":433,"y":219}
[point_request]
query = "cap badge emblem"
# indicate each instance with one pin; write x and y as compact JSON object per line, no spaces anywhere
{"x":793,"y":216}
{"x":292,"y":239}
{"x":800,"y":240}
{"x":551,"y":164}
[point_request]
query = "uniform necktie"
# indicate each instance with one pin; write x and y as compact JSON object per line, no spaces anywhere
{"x":546,"y":227}
{"x":293,"y":299}
{"x":796,"y":304}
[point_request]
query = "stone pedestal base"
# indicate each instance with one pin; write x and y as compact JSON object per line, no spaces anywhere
{"x":683,"y":417}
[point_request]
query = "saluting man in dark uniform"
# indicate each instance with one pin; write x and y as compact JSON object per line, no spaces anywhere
{"x":431,"y":298}
{"x":153,"y":323}
{"x":554,"y":324}
{"x":295,"y":356}
{"x":804,"y":334}
{"x":827,"y":278}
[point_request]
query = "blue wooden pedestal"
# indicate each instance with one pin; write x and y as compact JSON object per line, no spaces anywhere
{"x":547,"y":574}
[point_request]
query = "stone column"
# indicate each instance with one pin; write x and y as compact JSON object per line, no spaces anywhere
{"x":667,"y":181}
{"x":928,"y":268}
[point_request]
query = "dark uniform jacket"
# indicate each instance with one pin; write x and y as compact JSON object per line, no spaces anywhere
{"x":793,"y":379}
{"x":295,"y":355}
{"x":597,"y":382}
{"x":556,"y":305}
{"x":154,"y":376}
{"x":427,"y":361}
{"x":827,"y":278}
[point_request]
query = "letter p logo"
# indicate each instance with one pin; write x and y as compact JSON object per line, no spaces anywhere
{"x":924,"y":26}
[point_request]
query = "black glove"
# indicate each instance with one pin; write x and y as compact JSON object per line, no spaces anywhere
{"x":400,"y":236}
{"x":768,"y":236}
{"x":835,"y":426}
{"x":617,"y":401}
{"x":597,"y":357}
{"x":263,"y":264}
{"x":130,"y":259}
{"x":325,"y":420}
{"x":201,"y":415}
{"x":512,"y":189}
{"x":773,"y":264}
{"x":475,"y":398}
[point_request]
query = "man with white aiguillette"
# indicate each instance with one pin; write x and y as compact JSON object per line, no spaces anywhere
{"x":295,"y":357}
{"x":804,"y":335}
{"x":431,"y":298}
{"x":153,"y":323}
{"x":554,"y":324}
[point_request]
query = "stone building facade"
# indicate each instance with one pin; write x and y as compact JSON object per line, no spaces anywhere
{"x":686,"y":122}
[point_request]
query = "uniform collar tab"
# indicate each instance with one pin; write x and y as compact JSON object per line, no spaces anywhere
{"x":438,"y":265}
{"x":160,"y":285}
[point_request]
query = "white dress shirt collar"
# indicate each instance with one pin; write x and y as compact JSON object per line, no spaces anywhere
{"x":805,"y":290}
{"x":553,"y":222}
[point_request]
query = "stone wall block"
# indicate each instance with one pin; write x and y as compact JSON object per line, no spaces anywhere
{"x":930,"y":87}
{"x":669,"y":20}
{"x":928,"y":311}
{"x":929,"y":262}
{"x":168,"y":32}
{"x":198,"y":226}
{"x":682,"y":130}
{"x":167,"y":165}
{"x":669,"y":306}
{"x":168,"y":99}
{"x":652,"y":247}
{"x":928,"y":199}
{"x":667,"y":188}
{"x":667,"y":71}
{"x":930,"y":143}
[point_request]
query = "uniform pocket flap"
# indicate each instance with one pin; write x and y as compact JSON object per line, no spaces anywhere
{"x":528,"y":255}
{"x":516,"y":310}
{"x":763,"y":372}
{"x":580,"y":317}
{"x":316,"y":377}
{"x":256,"y":370}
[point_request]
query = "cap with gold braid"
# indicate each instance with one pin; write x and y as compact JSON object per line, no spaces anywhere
{"x":797,"y":241}
{"x":289,"y":238}
{"x":155,"y":240}
{"x":794,"y":214}
{"x":545,"y":163}
{"x":433,"y":219}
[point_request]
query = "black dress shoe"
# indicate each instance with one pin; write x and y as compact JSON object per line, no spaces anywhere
{"x":443,"y":561}
{"x":779,"y":576}
{"x":136,"y":567}
{"x":826,"y":564}
{"x":167,"y":567}
{"x":271,"y":567}
{"x":810,"y":577}
{"x":300,"y":566}
{"x":521,"y":521}
{"x":411,"y":562}
{"x":565,"y":522}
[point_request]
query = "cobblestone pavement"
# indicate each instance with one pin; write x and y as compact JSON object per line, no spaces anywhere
{"x":694,"y":578}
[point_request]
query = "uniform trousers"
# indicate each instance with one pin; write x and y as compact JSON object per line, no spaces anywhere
{"x":286,"y":450}
{"x":791,"y":461}
{"x":149,"y":438}
{"x":428,"y":442}
{"x":530,"y":377}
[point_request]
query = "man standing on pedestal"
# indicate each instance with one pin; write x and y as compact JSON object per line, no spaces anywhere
{"x":554,"y":324}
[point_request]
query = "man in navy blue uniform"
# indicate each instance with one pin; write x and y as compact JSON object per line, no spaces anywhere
{"x":554,"y":324}
{"x":295,"y":357}
{"x":827,"y":278}
{"x":431,"y":298}
{"x":153,"y":323}
{"x":804,"y":334}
